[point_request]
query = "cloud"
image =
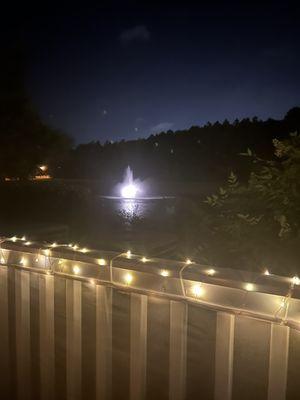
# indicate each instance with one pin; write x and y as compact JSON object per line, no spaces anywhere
{"x":162,"y":126}
{"x":141,"y":123}
{"x":139,"y":33}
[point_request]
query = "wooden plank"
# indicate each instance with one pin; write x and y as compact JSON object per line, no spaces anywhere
{"x":251,"y":359}
{"x":73,"y":336}
{"x":201,"y":347}
{"x":158,"y":348}
{"x":177,"y":366}
{"x":103,"y":342}
{"x":278,"y":364}
{"x":120,"y":345}
{"x":138,"y":346}
{"x":224,"y":356}
{"x":89,"y":340}
{"x":47,"y":350}
{"x":23,"y":362}
{"x":4,"y":334}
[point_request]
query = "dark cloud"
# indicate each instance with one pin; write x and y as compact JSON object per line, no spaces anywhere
{"x":138,"y":33}
{"x":162,"y":126}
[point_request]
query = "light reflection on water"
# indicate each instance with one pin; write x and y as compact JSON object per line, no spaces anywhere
{"x":130,"y":208}
{"x":139,"y":208}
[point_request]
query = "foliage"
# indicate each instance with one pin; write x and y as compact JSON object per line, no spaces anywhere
{"x":25,"y":141}
{"x":257,"y":224}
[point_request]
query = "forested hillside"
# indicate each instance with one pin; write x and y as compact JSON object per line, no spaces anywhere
{"x":203,"y":154}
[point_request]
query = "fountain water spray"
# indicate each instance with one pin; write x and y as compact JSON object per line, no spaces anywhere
{"x":129,"y":189}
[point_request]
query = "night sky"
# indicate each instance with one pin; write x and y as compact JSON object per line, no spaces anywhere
{"x":109,"y":72}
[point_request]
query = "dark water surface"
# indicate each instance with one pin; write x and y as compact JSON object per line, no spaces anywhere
{"x":143,"y":225}
{"x":151,"y":207}
{"x":62,"y":213}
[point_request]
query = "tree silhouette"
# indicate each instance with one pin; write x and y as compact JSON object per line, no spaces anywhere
{"x":25,"y":141}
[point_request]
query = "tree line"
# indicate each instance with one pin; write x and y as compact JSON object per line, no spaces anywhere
{"x":197,"y":154}
{"x":206,"y":153}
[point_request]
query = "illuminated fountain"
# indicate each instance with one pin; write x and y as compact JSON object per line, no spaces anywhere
{"x":133,"y":197}
{"x":129,"y":188}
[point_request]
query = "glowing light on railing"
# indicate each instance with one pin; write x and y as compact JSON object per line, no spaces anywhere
{"x":23,"y":261}
{"x":128,"y":278}
{"x":164,"y":272}
{"x":249,"y":287}
{"x":197,"y":290}
{"x":296,"y":280}
{"x":23,"y":238}
{"x":211,"y":272}
{"x":282,"y":302}
{"x":76,"y":269}
{"x":128,"y":253}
